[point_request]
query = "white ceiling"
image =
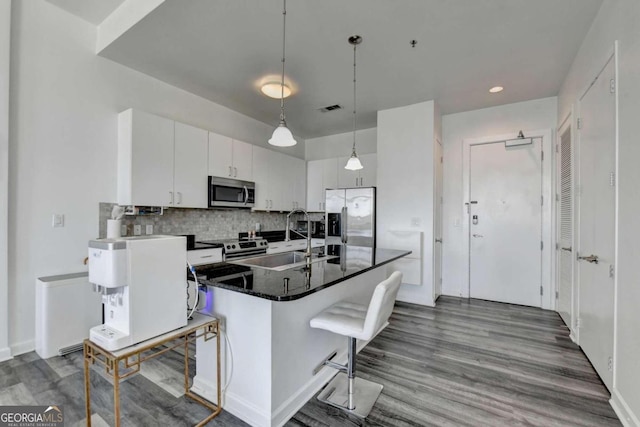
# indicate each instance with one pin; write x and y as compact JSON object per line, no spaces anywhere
{"x":93,"y":11}
{"x":220,"y":49}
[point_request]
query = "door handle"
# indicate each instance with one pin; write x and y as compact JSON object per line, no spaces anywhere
{"x":229,"y":170}
{"x":591,"y":258}
{"x":235,"y":171}
{"x":567,"y":249}
{"x":343,"y":232}
{"x":360,"y":182}
{"x":478,"y":235}
{"x":246,"y":195}
{"x":170,"y":197}
{"x":438,"y":240}
{"x":179,"y":197}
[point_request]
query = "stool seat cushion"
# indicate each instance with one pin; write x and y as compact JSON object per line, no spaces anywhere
{"x":343,"y":318}
{"x":359,"y":321}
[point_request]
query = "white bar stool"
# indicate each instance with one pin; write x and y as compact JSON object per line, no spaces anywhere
{"x":345,"y":391}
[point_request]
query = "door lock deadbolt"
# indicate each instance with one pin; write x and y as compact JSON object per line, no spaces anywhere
{"x":475,"y":220}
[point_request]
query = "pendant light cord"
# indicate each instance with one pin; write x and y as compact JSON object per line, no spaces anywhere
{"x":284,"y":31}
{"x":354,"y":98}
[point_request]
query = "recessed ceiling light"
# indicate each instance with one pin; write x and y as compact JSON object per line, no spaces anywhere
{"x":496,"y":89}
{"x":274,"y":90}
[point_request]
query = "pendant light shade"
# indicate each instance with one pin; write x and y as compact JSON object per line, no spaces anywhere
{"x":354,"y":163}
{"x":282,"y":136}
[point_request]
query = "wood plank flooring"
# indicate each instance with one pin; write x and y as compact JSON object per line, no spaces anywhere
{"x":462,"y":363}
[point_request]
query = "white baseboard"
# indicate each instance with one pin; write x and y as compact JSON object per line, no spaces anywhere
{"x":623,"y":411}
{"x":231,"y":403}
{"x":573,"y":337}
{"x":23,"y":347}
{"x":5,"y":354}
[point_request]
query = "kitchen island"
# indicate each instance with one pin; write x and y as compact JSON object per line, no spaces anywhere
{"x":272,"y":360}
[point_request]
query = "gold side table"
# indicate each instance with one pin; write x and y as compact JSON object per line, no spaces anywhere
{"x":123,"y":363}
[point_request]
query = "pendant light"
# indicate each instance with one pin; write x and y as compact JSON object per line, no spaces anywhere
{"x":354,"y":162}
{"x":282,"y":136}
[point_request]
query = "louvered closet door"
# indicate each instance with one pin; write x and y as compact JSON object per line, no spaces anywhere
{"x":565,"y":238}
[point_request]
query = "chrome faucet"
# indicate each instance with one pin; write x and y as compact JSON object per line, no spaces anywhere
{"x":308,"y":236}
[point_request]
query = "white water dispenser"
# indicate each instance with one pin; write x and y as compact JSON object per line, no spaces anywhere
{"x":142,"y":281}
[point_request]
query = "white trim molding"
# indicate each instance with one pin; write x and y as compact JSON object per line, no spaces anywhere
{"x":623,"y":411}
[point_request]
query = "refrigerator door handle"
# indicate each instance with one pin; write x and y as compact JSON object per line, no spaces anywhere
{"x":343,"y":221}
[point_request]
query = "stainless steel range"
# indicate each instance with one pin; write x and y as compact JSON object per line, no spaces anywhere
{"x":236,"y":248}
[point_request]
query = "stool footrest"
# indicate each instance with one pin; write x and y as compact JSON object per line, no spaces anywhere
{"x":336,"y":394}
{"x":334,"y":365}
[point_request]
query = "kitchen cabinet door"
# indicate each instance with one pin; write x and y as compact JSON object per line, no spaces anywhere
{"x":190,"y":167}
{"x":242,"y":160}
{"x":279,"y":182}
{"x":367,"y":175}
{"x":299,"y":181}
{"x":330,"y":174}
{"x":220,"y":155}
{"x":145,"y":159}
{"x":315,"y":189}
{"x":261,"y":178}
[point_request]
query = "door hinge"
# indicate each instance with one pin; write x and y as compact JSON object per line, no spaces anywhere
{"x":557,"y":246}
{"x":441,"y":159}
{"x":541,"y":200}
{"x":612,"y":86}
{"x":557,"y":148}
{"x":612,"y":271}
{"x":557,"y":295}
{"x":579,"y":123}
{"x":557,"y":197}
{"x":541,"y":245}
{"x":612,"y":179}
{"x":578,"y":323}
{"x":541,"y":290}
{"x":542,"y":155}
{"x":610,"y":363}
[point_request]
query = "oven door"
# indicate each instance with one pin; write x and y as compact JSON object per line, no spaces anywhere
{"x":231,"y":193}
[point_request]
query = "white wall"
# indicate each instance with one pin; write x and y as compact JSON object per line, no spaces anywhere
{"x":64,"y":106}
{"x":619,"y":20}
{"x":339,"y":145}
{"x":405,"y":184}
{"x":5,"y":44}
{"x":529,"y":115}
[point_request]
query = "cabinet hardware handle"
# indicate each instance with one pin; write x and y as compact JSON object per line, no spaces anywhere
{"x":360,"y":182}
{"x":591,"y":258}
{"x":438,"y":240}
{"x":229,"y":170}
{"x":170,"y":197}
{"x":207,"y":256}
{"x":319,"y":205}
{"x":356,"y":181}
{"x":569,"y":249}
{"x":235,"y":171}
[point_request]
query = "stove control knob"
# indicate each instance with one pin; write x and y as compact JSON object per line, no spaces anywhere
{"x":228,"y":246}
{"x":233,"y":246}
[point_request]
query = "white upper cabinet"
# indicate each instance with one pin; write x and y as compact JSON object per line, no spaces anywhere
{"x":230,"y":158}
{"x":321,"y":174}
{"x":160,"y":162}
{"x":145,"y":159}
{"x":190,"y":167}
{"x":365,"y":177}
{"x":280,"y":180}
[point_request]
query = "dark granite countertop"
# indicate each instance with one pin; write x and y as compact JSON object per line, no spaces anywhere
{"x":270,"y":284}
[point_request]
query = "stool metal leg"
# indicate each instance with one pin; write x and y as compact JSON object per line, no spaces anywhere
{"x":351,"y":372}
{"x":354,"y":395}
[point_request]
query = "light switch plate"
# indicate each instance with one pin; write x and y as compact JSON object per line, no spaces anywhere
{"x":57,"y":220}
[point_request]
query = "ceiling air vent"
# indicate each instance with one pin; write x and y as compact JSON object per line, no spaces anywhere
{"x":331,"y":108}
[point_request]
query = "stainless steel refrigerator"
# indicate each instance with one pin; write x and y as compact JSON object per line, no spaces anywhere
{"x":351,"y":217}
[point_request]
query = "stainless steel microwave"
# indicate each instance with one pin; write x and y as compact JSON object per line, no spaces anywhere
{"x":231,"y":193}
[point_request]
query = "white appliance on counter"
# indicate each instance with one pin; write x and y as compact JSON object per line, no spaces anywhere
{"x":142,"y":281}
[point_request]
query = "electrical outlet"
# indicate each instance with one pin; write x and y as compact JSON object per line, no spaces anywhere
{"x":57,"y":220}
{"x":149,"y":229}
{"x":137,"y":230}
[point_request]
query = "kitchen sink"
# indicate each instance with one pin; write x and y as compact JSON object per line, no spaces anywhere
{"x":280,"y":262}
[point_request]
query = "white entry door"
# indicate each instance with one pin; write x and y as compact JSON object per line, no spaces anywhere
{"x":597,"y":223}
{"x":505,"y":229}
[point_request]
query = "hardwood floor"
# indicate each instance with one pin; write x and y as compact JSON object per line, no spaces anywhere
{"x":462,"y":363}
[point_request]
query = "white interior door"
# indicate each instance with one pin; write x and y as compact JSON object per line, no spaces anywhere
{"x":565,"y":229}
{"x":437,"y":223}
{"x":597,"y":223}
{"x":505,"y":230}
